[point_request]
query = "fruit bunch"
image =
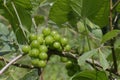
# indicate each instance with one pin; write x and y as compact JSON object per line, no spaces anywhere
{"x":41,"y":43}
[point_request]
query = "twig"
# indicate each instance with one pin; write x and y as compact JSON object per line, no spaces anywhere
{"x":64,"y":54}
{"x":11,"y":62}
{"x":18,"y":65}
{"x":35,"y":26}
{"x":19,"y":20}
{"x":112,"y":40}
{"x":41,"y":74}
{"x":99,"y":66}
{"x":25,"y":66}
{"x":118,"y":1}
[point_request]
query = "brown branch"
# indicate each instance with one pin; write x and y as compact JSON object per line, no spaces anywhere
{"x":114,"y":6}
{"x":18,"y":65}
{"x":112,"y":40}
{"x":64,"y":54}
{"x":41,"y":74}
{"x":10,"y":63}
{"x":99,"y":66}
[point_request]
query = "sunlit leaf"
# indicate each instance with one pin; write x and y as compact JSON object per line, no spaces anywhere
{"x":90,"y":75}
{"x":110,"y":35}
{"x":86,"y":55}
{"x":103,"y":60}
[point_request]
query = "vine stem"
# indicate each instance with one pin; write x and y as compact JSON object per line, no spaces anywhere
{"x":112,"y":40}
{"x":11,"y":62}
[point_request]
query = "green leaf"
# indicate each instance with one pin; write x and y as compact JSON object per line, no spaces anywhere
{"x":73,"y":19}
{"x":118,"y":8}
{"x":90,"y":75}
{"x":103,"y":60}
{"x":3,"y":29}
{"x":39,"y":19}
{"x":26,"y":4}
{"x":25,"y":17}
{"x":94,"y":29}
{"x":101,"y":17}
{"x":86,"y":55}
{"x":9,"y":13}
{"x":96,"y":10}
{"x":86,"y":8}
{"x":31,"y":75}
{"x":110,"y":35}
{"x":59,"y":11}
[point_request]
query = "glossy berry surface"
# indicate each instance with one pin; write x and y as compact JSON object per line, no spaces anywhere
{"x":46,"y":31}
{"x":43,"y":56}
{"x":43,"y":48}
{"x":26,"y":48}
{"x":42,"y":63}
{"x":32,"y":37}
{"x":49,"y":40}
{"x":64,"y":41}
{"x":67,"y":48}
{"x":56,"y":45}
{"x":35,"y":44}
{"x":34,"y":53}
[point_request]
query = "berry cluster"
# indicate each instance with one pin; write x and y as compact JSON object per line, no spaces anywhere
{"x":41,"y":43}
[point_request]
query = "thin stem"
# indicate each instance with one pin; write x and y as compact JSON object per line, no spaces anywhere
{"x":13,"y":5}
{"x":35,"y":26}
{"x":11,"y":62}
{"x":87,"y":35}
{"x":19,"y":20}
{"x":99,"y":66}
{"x":110,"y":17}
{"x":118,"y":1}
{"x":112,"y":40}
{"x":19,"y":56}
{"x":41,"y":74}
{"x":4,"y":2}
{"x":8,"y":10}
{"x":17,"y":64}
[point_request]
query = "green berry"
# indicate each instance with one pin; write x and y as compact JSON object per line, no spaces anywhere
{"x":69,"y":64}
{"x":64,"y":41}
{"x":43,"y":56}
{"x":64,"y":59}
{"x":42,"y":63}
{"x":53,"y":33}
{"x":35,"y":44}
{"x":26,"y":48}
{"x":67,"y":48}
{"x":34,"y":53}
{"x":40,"y":39}
{"x":43,"y":48}
{"x":32,"y":37}
{"x":49,"y":40}
{"x":35,"y":62}
{"x":57,"y":37}
{"x":46,"y":31}
{"x":56,"y":45}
